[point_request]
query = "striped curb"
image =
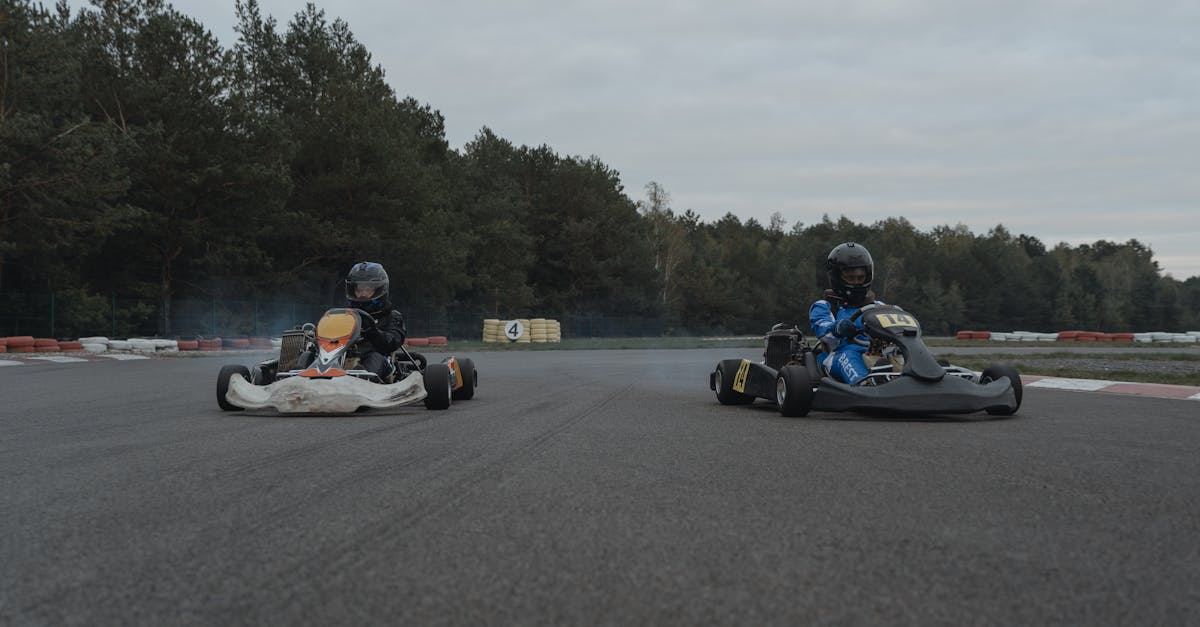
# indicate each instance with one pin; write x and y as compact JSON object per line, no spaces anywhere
{"x":1155,"y":390}
{"x":68,"y":359}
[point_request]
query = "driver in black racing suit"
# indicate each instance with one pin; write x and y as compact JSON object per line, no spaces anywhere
{"x":383,"y":329}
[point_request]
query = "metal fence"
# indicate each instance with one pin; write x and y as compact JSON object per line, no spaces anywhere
{"x":48,"y":315}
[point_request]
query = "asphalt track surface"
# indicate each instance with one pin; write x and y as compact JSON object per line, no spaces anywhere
{"x":585,"y":488}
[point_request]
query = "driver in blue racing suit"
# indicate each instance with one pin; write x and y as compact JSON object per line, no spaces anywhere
{"x":850,"y":270}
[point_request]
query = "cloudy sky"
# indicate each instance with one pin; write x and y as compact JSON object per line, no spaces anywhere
{"x":1068,"y":120}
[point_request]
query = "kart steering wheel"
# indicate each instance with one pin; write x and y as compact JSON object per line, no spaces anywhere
{"x":857,"y":338}
{"x":363,"y":315}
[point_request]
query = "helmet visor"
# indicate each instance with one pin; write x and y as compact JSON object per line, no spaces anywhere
{"x":856,"y":275}
{"x":363,"y":291}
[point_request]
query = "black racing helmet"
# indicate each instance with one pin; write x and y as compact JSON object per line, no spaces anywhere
{"x":844,"y":257}
{"x":367,"y":287}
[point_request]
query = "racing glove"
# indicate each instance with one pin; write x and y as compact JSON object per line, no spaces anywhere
{"x":845,"y":328}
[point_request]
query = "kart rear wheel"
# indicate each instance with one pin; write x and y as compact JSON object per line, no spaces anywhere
{"x":995,"y":373}
{"x":470,"y":380}
{"x":726,"y":395}
{"x":227,"y":373}
{"x":438,"y":386}
{"x":418,"y":360}
{"x":794,"y":391}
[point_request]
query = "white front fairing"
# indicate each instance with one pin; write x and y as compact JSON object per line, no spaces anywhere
{"x":329,"y":359}
{"x":338,"y":395}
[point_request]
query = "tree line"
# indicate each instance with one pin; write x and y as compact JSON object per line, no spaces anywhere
{"x":140,"y":158}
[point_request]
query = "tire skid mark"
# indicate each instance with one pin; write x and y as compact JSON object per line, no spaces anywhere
{"x":433,"y":500}
{"x":316,"y":447}
{"x":274,"y":516}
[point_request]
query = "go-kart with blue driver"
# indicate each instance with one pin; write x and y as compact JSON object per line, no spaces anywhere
{"x":333,"y":382}
{"x":906,"y":378}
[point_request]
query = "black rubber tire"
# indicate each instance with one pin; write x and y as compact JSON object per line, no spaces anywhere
{"x":438,"y":386}
{"x":470,"y":381}
{"x":262,"y":374}
{"x":794,"y":391}
{"x":725,"y":392}
{"x":995,"y":373}
{"x":228,"y":372}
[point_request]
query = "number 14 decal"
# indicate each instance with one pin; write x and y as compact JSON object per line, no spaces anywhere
{"x":896,"y":320}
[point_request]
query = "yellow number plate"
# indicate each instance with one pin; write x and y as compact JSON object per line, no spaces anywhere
{"x":739,"y":379}
{"x":896,"y":320}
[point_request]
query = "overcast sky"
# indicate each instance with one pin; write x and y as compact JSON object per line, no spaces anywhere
{"x":1067,"y":120}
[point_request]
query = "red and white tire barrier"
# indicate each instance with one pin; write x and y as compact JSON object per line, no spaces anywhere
{"x":1161,"y":337}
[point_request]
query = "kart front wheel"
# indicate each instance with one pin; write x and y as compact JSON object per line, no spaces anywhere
{"x":995,"y":373}
{"x":723,"y":380}
{"x":793,"y":391}
{"x":438,"y":386}
{"x":227,"y":373}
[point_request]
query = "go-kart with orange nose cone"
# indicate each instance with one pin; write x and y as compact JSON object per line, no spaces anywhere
{"x":333,"y":383}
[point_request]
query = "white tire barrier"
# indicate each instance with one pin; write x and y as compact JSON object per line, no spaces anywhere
{"x":142,"y":345}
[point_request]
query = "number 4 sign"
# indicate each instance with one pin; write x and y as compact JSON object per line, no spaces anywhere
{"x":513,"y":330}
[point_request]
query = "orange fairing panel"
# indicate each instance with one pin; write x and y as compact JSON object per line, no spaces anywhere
{"x":332,"y":372}
{"x":336,"y":326}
